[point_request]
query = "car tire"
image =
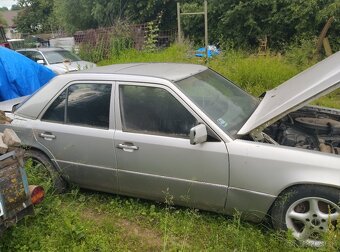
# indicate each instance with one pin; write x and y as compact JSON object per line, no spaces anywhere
{"x":307,"y":211}
{"x":46,"y":167}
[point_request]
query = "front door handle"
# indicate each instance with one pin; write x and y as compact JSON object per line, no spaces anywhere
{"x":47,"y":136}
{"x":129,"y":147}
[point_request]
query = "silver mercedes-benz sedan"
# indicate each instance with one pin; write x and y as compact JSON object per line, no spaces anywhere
{"x":151,"y":129}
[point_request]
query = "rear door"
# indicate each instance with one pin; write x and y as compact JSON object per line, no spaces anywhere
{"x":77,"y":128}
{"x":154,"y":154}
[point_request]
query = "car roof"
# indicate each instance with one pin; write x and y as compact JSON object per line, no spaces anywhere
{"x":162,"y":73}
{"x":168,"y":71}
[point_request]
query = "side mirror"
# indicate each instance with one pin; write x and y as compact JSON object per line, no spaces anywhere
{"x":198,"y":134}
{"x":41,"y":62}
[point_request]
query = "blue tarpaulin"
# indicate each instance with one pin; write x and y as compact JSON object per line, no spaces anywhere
{"x":20,"y":76}
{"x":212,"y":51}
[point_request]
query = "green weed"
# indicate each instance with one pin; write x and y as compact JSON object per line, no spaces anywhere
{"x":256,"y":74}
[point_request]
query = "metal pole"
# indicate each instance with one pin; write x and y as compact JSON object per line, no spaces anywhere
{"x":179,"y":23}
{"x":206,"y":28}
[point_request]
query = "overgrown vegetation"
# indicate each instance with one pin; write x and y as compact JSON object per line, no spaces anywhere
{"x":104,"y":48}
{"x":241,"y":23}
{"x":89,"y":221}
{"x":109,"y":43}
{"x":254,"y":73}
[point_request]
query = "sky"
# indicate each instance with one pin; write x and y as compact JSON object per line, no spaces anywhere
{"x":7,"y":3}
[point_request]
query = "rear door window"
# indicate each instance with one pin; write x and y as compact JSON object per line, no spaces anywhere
{"x":82,"y":104}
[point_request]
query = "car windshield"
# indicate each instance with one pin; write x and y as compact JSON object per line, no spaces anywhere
{"x":221,"y":100}
{"x":55,"y":57}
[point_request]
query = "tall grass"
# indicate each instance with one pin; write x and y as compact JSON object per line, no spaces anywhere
{"x":86,"y":221}
{"x":255,"y":74}
{"x":175,"y":53}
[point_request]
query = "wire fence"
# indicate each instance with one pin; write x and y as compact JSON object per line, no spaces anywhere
{"x":104,"y":43}
{"x":136,"y":33}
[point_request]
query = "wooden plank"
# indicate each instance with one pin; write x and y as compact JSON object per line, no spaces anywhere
{"x":322,"y":36}
{"x":327,"y":46}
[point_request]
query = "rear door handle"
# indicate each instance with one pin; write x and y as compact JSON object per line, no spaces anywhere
{"x":127,"y":147}
{"x":47,"y":136}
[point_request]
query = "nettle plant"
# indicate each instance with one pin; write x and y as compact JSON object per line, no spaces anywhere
{"x":151,"y":34}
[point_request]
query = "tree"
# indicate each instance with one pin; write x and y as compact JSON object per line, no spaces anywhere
{"x":3,"y":21}
{"x":107,"y":12}
{"x":84,"y":14}
{"x":244,"y":22}
{"x":141,"y":11}
{"x":35,"y":16}
{"x":240,"y":22}
{"x":74,"y":15}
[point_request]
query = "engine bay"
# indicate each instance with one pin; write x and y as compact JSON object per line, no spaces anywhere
{"x":312,"y":128}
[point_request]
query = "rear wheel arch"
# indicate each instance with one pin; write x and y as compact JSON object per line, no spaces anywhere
{"x":42,"y":152}
{"x":40,"y":158}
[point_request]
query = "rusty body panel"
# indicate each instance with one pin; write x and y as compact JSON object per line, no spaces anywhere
{"x":15,"y":201}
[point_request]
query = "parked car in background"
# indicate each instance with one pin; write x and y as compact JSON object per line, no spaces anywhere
{"x":17,"y":43}
{"x":150,"y":129}
{"x":33,"y":41}
{"x":58,"y":60}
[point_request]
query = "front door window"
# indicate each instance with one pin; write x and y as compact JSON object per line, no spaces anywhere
{"x":152,"y":110}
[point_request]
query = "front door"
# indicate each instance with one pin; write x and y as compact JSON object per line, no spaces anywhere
{"x":154,"y":154}
{"x":77,"y":130}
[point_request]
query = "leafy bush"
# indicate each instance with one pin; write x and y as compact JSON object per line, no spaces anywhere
{"x":104,"y":49}
{"x":301,"y":53}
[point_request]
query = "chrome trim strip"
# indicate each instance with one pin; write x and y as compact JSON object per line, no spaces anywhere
{"x":172,"y":178}
{"x":245,"y":190}
{"x":82,"y":164}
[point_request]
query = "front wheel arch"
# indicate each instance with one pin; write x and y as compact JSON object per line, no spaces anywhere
{"x":299,"y":199}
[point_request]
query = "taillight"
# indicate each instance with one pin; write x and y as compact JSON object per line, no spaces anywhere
{"x":37,"y":194}
{"x":6,"y":44}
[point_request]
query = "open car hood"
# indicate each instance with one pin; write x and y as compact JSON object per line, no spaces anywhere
{"x":316,"y":81}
